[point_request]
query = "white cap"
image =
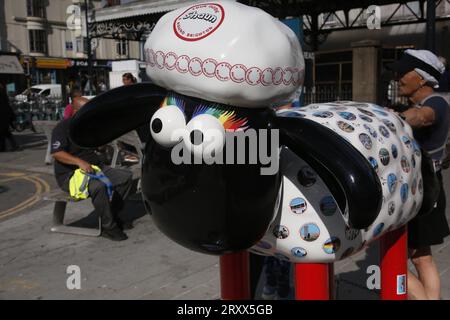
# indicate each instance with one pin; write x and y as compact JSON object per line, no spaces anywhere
{"x":225,"y":52}
{"x":431,"y":59}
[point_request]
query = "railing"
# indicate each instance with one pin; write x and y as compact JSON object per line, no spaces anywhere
{"x":327,"y":92}
{"x":28,"y":109}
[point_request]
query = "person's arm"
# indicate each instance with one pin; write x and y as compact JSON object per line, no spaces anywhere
{"x":419,"y":117}
{"x":67,"y":158}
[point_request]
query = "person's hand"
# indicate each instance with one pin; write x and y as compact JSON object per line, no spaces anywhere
{"x":85,"y":166}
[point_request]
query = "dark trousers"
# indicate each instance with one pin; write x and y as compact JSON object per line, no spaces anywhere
{"x":122,"y":181}
{"x":7,"y":135}
{"x":277,"y":275}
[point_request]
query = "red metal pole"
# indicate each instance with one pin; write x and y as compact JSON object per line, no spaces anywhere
{"x":235,"y":276}
{"x":394,"y":258}
{"x":312,"y":281}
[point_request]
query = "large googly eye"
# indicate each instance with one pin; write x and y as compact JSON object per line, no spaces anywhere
{"x":166,"y":126}
{"x":205,"y":137}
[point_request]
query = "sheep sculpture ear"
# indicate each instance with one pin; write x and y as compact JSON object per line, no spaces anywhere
{"x":350,"y":177}
{"x":114,"y":113}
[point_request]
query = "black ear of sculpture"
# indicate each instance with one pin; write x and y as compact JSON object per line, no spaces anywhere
{"x":339,"y":164}
{"x":114,"y":113}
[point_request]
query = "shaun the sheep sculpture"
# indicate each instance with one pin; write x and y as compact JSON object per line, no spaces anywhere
{"x":223,"y":172}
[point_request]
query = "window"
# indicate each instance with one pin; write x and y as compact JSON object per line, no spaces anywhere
{"x":81,"y":45}
{"x":36,"y":8}
{"x":38,"y":41}
{"x":122,"y":47}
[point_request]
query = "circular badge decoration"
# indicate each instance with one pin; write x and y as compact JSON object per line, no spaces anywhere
{"x":306,"y":176}
{"x":384,"y":156}
{"x":170,"y":60}
{"x":298,"y":205}
{"x":223,"y":71}
{"x":365,"y":118}
{"x":405,"y":165}
{"x":378,"y":229}
{"x":332,"y":245}
{"x":298,"y":252}
{"x":407,"y":141}
{"x":309,"y":232}
{"x":404,"y":192}
{"x":414,"y":187}
{"x":323,"y":114}
{"x":391,"y":208}
{"x":347,"y":115}
{"x":237,"y":73}
{"x":384,"y":132}
{"x":366,"y":112}
{"x":292,"y":114}
{"x":390,"y":125}
{"x":195,"y":66}
{"x":394,"y":151}
{"x":366,"y":141}
{"x":328,"y":206}
{"x":379,"y":112}
{"x":198,"y":21}
{"x":336,"y":108}
{"x":392,"y":182}
{"x":344,"y":126}
{"x":371,"y":130}
{"x":374,"y":164}
{"x":280,"y":232}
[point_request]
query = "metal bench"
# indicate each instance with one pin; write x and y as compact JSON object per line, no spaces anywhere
{"x":46,"y":127}
{"x":61,"y":198}
{"x":131,"y":138}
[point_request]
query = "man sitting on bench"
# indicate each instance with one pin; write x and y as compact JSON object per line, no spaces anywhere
{"x":70,"y":157}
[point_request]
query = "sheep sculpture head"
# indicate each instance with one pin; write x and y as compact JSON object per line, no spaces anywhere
{"x":223,"y":172}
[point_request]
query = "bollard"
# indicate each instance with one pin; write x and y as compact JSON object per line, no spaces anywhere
{"x":235,"y":276}
{"x":312,"y":281}
{"x":394,"y":269}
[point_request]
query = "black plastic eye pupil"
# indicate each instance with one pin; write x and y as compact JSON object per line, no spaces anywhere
{"x":157,"y":125}
{"x":196,"y":137}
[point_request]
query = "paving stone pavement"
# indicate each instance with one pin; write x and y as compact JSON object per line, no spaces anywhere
{"x":34,"y":262}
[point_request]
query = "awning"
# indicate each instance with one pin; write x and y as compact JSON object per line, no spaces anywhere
{"x":139,"y":9}
{"x":52,"y":63}
{"x":10,"y":65}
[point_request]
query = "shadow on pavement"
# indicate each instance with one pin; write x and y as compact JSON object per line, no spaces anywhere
{"x":132,"y":211}
{"x":352,"y":285}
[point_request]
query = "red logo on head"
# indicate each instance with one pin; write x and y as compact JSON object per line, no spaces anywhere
{"x":198,"y":21}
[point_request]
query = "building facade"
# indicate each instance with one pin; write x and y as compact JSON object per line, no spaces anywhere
{"x":49,"y":36}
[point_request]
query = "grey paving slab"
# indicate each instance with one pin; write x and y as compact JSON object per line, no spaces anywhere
{"x":33,"y":261}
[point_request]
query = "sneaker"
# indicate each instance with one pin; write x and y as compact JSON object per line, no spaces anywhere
{"x":114,"y":234}
{"x":269,"y":292}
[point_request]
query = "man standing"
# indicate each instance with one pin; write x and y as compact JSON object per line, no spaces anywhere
{"x":418,"y":72}
{"x":70,"y":157}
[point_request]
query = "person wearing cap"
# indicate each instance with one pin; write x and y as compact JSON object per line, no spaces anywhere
{"x":418,"y":73}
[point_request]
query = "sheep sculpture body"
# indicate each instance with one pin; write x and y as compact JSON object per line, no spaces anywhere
{"x":346,"y":171}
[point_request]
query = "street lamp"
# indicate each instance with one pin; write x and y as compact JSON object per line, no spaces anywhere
{"x":89,"y":49}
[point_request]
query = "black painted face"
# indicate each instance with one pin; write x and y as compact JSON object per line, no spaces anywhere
{"x":208,"y":207}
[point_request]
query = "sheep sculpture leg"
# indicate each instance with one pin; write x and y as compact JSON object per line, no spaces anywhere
{"x":235,"y":276}
{"x":394,"y":258}
{"x":314,"y":281}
